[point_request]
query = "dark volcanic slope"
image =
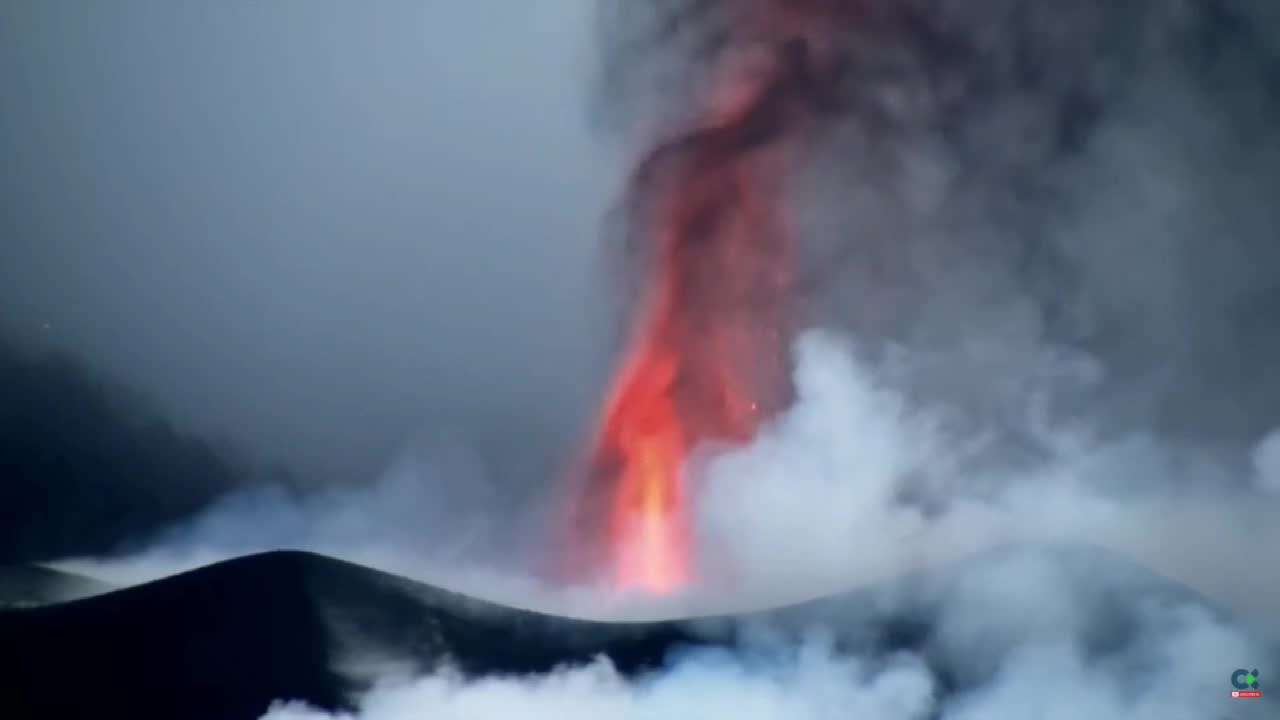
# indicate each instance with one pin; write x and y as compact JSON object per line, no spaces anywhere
{"x":27,"y":585}
{"x":225,"y":640}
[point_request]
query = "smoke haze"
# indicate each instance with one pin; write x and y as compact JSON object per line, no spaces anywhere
{"x":303,"y":232}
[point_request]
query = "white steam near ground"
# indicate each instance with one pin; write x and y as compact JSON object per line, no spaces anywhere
{"x":1168,"y":676}
{"x":821,"y":513}
{"x":815,"y":506}
{"x":812,"y":506}
{"x":851,"y":486}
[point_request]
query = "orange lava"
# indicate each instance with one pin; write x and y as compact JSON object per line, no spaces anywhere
{"x":707,"y":362}
{"x":648,"y":524}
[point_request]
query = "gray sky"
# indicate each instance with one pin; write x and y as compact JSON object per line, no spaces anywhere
{"x":311,"y":229}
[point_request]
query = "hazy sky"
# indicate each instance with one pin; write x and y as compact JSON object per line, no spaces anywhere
{"x":312,"y":229}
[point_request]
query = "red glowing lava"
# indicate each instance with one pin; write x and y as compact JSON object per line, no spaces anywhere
{"x":707,"y":362}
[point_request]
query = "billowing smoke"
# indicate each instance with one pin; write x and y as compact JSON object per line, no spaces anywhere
{"x":1038,"y":628}
{"x":1048,"y":675}
{"x":1020,"y":619}
{"x":1037,"y":264}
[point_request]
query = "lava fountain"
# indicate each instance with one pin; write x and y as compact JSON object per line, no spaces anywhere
{"x":707,"y":361}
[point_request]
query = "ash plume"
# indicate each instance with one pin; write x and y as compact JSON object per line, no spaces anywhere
{"x":1003,"y":169}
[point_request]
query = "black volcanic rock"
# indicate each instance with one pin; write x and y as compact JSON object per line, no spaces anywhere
{"x":225,"y":640}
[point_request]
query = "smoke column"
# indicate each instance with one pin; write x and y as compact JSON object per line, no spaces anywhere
{"x":707,"y":361}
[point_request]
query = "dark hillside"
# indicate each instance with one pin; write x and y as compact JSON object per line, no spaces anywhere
{"x":225,"y":640}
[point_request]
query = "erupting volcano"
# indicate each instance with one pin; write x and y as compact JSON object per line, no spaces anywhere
{"x":707,"y":362}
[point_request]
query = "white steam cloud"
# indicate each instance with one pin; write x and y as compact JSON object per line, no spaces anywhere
{"x":811,"y":683}
{"x":854,"y":487}
{"x":1174,"y":674}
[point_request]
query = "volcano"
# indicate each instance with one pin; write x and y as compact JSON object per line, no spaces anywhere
{"x":226,"y":640}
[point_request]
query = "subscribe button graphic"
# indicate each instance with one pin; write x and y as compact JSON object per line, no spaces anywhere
{"x":1245,"y":683}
